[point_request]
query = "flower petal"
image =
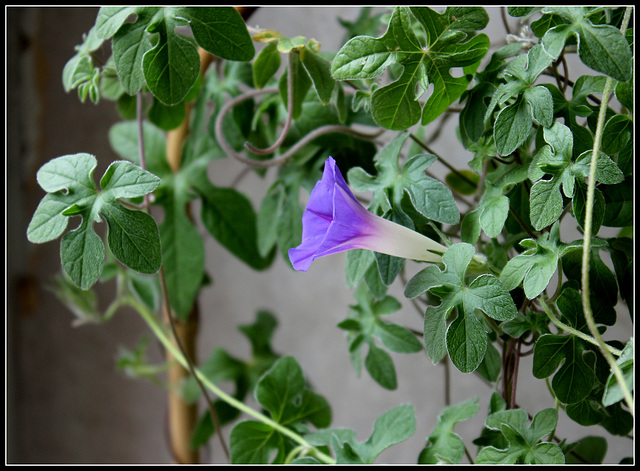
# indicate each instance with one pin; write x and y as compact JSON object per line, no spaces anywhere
{"x":335,"y":221}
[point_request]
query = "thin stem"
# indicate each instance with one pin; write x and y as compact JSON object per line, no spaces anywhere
{"x":141,"y":153}
{"x":292,"y":150}
{"x":163,"y":283}
{"x":572,"y":331}
{"x":289,"y":119}
{"x":517,"y":217}
{"x":447,"y":382}
{"x":507,"y":351}
{"x":586,"y":248}
{"x":468,"y":454}
{"x":156,"y":327}
{"x":565,"y":77}
{"x":505,"y":21}
{"x":172,"y":324}
{"x":514,"y":378}
{"x":441,"y":159}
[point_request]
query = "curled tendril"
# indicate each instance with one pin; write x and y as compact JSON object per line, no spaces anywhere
{"x":288,"y":120}
{"x":279,"y":160}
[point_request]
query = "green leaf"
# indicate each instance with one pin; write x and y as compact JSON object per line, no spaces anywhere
{"x":123,"y":138}
{"x":182,"y":248}
{"x":574,"y":380}
{"x":512,"y":127}
{"x":220,"y":31}
{"x":266,"y":65}
{"x":430,"y":197}
{"x":619,"y":207}
{"x":607,"y":171}
{"x":130,"y":43}
{"x":617,"y":131}
{"x":80,"y":70}
{"x":395,"y":106}
{"x":253,"y":442}
{"x":150,"y":51}
{"x":601,"y":47}
{"x":392,"y":427}
{"x":535,"y":266}
{"x":465,"y":340}
{"x":464,"y":182}
{"x":132,"y":236}
{"x":493,"y":210}
{"x":579,"y":206}
{"x":397,"y":338}
{"x":591,"y":449}
{"x":575,"y":377}
{"x":171,"y":67}
{"x":546,"y":203}
{"x":365,"y":323}
{"x":166,"y":117}
{"x":524,"y":445}
{"x":443,"y":445}
{"x":260,"y":333}
{"x":356,"y":265}
{"x":110,"y":19}
{"x":301,"y":84}
{"x":290,"y":223}
{"x":269,"y":213}
{"x":532,"y":103}
{"x":282,"y":391}
{"x":555,"y":159}
{"x":319,"y":70}
{"x":613,"y":392}
{"x":380,"y":366}
{"x":229,"y":216}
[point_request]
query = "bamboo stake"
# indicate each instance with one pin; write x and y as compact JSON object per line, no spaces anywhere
{"x":183,"y":417}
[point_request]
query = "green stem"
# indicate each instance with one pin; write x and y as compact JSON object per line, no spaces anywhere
{"x":163,"y":336}
{"x":586,"y":250}
{"x":575,"y":332}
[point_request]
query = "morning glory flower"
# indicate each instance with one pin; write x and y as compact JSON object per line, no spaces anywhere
{"x":335,"y":221}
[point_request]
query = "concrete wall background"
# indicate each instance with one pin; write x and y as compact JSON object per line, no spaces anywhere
{"x":66,"y":403}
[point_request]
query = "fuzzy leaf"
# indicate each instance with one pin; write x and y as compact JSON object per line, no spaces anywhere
{"x":601,"y":47}
{"x":465,"y":340}
{"x":282,"y":391}
{"x":395,"y":106}
{"x":524,"y":442}
{"x":133,"y":235}
{"x":394,"y":426}
{"x":430,"y":197}
{"x":443,"y":445}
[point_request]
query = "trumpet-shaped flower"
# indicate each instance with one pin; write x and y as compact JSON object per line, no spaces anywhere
{"x":335,"y":221}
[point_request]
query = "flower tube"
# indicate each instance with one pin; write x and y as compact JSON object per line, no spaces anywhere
{"x":335,"y":221}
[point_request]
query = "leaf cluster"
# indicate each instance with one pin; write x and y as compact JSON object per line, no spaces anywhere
{"x":512,"y":276}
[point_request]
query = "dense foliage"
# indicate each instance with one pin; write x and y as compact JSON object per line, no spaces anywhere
{"x":545,"y":153}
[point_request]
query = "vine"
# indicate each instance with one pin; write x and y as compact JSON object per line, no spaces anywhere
{"x":482,"y":244}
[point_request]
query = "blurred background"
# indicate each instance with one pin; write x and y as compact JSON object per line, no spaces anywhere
{"x":67,"y":402}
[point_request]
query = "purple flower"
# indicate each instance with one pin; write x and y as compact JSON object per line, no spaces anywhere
{"x":334,"y":221}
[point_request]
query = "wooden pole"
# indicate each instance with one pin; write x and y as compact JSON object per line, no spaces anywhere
{"x":182,"y":416}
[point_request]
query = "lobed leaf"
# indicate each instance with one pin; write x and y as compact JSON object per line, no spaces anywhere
{"x":465,"y":339}
{"x":395,"y":106}
{"x":132,"y":236}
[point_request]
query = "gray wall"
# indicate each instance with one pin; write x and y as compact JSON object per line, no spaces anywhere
{"x":66,"y":402}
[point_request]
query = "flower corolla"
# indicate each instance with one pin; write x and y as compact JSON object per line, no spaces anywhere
{"x":335,"y":221}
